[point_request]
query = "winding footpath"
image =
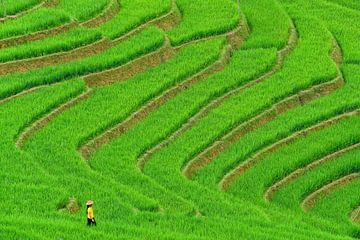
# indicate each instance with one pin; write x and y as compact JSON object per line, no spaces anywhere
{"x":309,"y":202}
{"x":271,"y":191}
{"x":40,"y":123}
{"x":293,"y":101}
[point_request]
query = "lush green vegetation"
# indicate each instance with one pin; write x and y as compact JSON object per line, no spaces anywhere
{"x":128,"y":145}
{"x":84,"y":9}
{"x":63,"y":42}
{"x":145,"y":42}
{"x":14,"y":7}
{"x":124,"y":98}
{"x":41,"y":19}
{"x":342,"y":101}
{"x":290,"y":78}
{"x":134,"y":13}
{"x":267,"y":30}
{"x":203,"y":18}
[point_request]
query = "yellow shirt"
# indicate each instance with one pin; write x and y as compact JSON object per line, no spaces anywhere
{"x":90,"y":213}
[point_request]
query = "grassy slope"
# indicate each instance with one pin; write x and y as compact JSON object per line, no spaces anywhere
{"x":160,"y":203}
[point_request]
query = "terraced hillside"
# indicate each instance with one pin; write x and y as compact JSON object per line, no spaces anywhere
{"x":181,"y":119}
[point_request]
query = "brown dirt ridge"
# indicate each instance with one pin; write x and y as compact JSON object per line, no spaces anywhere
{"x":310,"y":201}
{"x":211,"y":152}
{"x":87,"y":149}
{"x":271,"y":191}
{"x":40,"y":123}
{"x":299,"y":99}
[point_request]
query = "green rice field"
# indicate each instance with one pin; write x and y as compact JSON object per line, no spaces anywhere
{"x":180,"y":119}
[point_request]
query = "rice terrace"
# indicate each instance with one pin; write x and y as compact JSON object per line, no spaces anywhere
{"x":179,"y":119}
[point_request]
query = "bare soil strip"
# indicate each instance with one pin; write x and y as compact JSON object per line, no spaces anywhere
{"x":109,"y":12}
{"x":234,"y":39}
{"x":165,"y":22}
{"x":272,"y":190}
{"x":215,"y":103}
{"x":51,"y":3}
{"x":46,"y":3}
{"x":291,"y":102}
{"x":281,"y":107}
{"x":84,"y":51}
{"x":8,"y":42}
{"x":54,"y":59}
{"x":103,"y":17}
{"x":132,"y":68}
{"x":6,"y":100}
{"x":355,"y":215}
{"x":211,"y":152}
{"x":129,"y":70}
{"x":310,"y":201}
{"x":10,"y":17}
{"x":233,"y":136}
{"x":89,"y":148}
{"x":40,"y":123}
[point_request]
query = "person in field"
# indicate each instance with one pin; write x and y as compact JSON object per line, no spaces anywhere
{"x":90,"y":213}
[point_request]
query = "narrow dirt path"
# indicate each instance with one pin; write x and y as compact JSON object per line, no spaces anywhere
{"x":45,"y":3}
{"x":25,"y":65}
{"x":88,"y":50}
{"x":310,"y":201}
{"x":11,"y":17}
{"x":272,"y":190}
{"x":132,"y":68}
{"x":40,"y":123}
{"x":89,"y":148}
{"x":51,"y":3}
{"x":99,"y":19}
{"x":6,"y":100}
{"x":106,"y":15}
{"x":211,"y":152}
{"x":234,"y":39}
{"x":216,"y":102}
{"x":294,"y":101}
{"x":355,"y":215}
{"x":107,"y":77}
{"x":8,"y":42}
{"x":164,"y":22}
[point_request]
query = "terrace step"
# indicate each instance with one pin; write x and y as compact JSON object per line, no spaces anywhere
{"x":271,"y":191}
{"x":309,"y":202}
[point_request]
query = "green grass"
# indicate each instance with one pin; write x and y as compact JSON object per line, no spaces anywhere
{"x":241,"y":107}
{"x":291,"y":195}
{"x":41,"y":19}
{"x":153,"y":130}
{"x":116,"y":102}
{"x":340,"y":203}
{"x":266,"y":30}
{"x":341,"y":101}
{"x":60,"y":43}
{"x":14,"y":7}
{"x":338,"y":20}
{"x":203,"y":18}
{"x":84,"y":9}
{"x":142,"y":43}
{"x":158,"y":202}
{"x":326,"y":141}
{"x":134,"y":13}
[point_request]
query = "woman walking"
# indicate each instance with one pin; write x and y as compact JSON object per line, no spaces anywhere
{"x":90,"y":213}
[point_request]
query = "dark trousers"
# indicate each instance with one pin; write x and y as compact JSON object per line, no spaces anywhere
{"x":91,"y":222}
